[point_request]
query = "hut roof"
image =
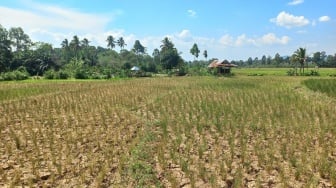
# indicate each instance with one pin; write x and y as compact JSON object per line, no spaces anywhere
{"x":135,"y":68}
{"x":224,"y":63}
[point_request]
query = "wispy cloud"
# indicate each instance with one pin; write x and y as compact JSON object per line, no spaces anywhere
{"x":192,"y":13}
{"x":296,"y":2}
{"x":56,"y":18}
{"x":324,"y":18}
{"x":287,"y":20}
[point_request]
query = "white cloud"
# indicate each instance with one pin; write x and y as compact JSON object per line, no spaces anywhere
{"x":287,"y":20}
{"x":226,"y":40}
{"x":324,"y":18}
{"x":243,"y":40}
{"x":271,"y":38}
{"x":38,"y":16}
{"x":184,"y":34}
{"x":192,"y":13}
{"x":296,"y":2}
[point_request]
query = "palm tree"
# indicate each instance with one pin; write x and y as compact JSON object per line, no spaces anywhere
{"x":65,"y":44}
{"x":205,"y":54}
{"x":121,"y":43}
{"x":75,"y":45}
{"x":65,"y":50}
{"x":85,"y":43}
{"x":300,"y":56}
{"x":110,"y":41}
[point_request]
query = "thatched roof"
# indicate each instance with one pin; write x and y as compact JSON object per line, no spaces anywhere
{"x":217,"y":63}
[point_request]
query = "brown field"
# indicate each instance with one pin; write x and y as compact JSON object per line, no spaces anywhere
{"x":167,"y":132}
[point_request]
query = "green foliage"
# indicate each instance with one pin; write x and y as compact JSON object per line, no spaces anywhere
{"x":52,"y":74}
{"x":81,"y":74}
{"x":62,"y":75}
{"x":20,"y":74}
{"x":327,"y":86}
{"x":195,"y":51}
{"x":256,"y":74}
{"x":314,"y":73}
{"x":291,"y":72}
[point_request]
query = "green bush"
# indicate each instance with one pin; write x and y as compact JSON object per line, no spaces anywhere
{"x":314,"y":73}
{"x":50,"y":74}
{"x":62,"y":75}
{"x":81,"y":74}
{"x":96,"y":75}
{"x":15,"y":75}
{"x":291,"y":72}
{"x":21,"y":75}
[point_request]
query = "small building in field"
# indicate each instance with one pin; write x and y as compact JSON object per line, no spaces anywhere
{"x":135,"y":68}
{"x":221,"y":67}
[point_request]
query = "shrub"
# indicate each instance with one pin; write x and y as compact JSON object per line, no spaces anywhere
{"x":81,"y":74}
{"x":50,"y":74}
{"x":291,"y":72}
{"x":21,"y":75}
{"x":96,"y":75}
{"x":314,"y":73}
{"x":15,"y":75}
{"x":62,"y":75}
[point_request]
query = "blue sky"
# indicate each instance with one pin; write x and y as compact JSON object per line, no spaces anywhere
{"x":227,"y":29}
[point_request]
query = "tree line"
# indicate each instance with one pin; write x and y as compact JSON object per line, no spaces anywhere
{"x":21,"y":57}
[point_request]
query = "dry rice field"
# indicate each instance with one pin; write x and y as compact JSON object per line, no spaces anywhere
{"x":167,"y":132}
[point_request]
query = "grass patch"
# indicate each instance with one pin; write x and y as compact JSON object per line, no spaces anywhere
{"x":327,"y":86}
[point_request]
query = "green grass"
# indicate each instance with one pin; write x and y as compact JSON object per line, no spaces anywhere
{"x":327,"y":86}
{"x":278,"y":71}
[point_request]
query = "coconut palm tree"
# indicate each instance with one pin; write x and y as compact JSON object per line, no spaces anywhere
{"x":75,"y":45}
{"x":121,"y":43}
{"x":300,"y":56}
{"x":65,"y":44}
{"x":110,"y":41}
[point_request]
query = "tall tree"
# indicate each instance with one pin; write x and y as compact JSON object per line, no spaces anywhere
{"x":110,"y":42}
{"x":121,"y":43}
{"x":166,"y":44}
{"x":65,"y":44}
{"x":317,"y":58}
{"x":5,"y":49}
{"x":300,"y":56}
{"x":138,"y":48}
{"x":85,"y":43}
{"x":249,"y":61}
{"x":205,"y":54}
{"x":75,"y":45}
{"x":263,"y":60}
{"x":66,"y":54}
{"x":20,"y":40}
{"x":277,"y":59}
{"x":156,"y":56}
{"x":169,"y":56}
{"x":194,"y":50}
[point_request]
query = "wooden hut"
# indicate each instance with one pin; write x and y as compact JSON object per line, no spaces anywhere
{"x":222,"y":67}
